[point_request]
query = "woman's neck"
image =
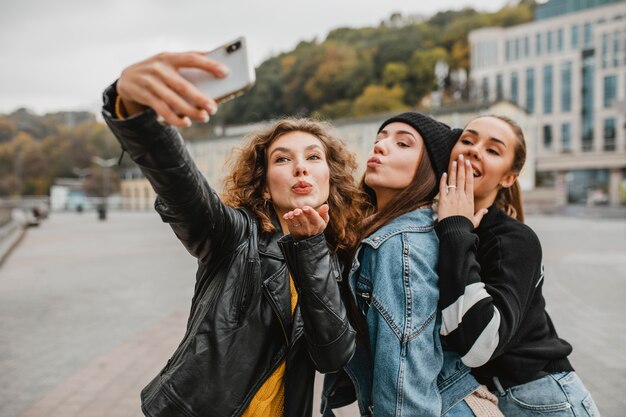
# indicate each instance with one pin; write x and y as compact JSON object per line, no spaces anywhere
{"x":481,"y":202}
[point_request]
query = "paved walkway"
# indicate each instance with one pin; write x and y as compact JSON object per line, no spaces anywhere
{"x":90,"y":311}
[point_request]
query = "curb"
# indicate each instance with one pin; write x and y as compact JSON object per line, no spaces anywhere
{"x":11,"y":235}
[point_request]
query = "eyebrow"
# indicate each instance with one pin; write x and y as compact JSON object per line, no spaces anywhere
{"x":399,"y":132}
{"x":493,"y":138}
{"x":283,"y":149}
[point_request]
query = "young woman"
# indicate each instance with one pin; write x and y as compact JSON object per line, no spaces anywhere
{"x":399,"y":368}
{"x":491,"y":278}
{"x":252,"y":342}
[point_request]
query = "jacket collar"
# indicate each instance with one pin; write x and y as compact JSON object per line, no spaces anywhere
{"x":268,"y":241}
{"x":420,"y":220}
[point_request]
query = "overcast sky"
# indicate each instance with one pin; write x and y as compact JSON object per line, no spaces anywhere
{"x":59,"y":55}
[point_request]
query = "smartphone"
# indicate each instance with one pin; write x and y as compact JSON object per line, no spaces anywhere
{"x":240,"y":79}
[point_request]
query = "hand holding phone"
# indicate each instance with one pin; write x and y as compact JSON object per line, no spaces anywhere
{"x":240,"y":78}
{"x":157,"y":83}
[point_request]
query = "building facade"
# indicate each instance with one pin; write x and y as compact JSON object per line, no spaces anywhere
{"x":212,"y":156}
{"x":568,"y":69}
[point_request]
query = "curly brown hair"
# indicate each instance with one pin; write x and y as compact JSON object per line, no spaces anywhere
{"x":246,"y":182}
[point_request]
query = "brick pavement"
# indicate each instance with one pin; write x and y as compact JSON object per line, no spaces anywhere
{"x":109,"y":386}
{"x":585,"y":287}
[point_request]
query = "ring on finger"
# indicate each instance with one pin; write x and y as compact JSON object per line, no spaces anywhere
{"x":450,"y":186}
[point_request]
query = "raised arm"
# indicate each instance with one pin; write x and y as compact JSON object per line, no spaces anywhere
{"x":483,"y":302}
{"x":185,"y":200}
{"x":316,"y":273}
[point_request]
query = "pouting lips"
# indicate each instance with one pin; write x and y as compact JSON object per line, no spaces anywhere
{"x":302,"y":187}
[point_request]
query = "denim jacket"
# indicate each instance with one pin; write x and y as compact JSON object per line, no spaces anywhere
{"x":403,"y":371}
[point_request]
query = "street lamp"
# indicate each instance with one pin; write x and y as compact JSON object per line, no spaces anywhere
{"x":105,"y":164}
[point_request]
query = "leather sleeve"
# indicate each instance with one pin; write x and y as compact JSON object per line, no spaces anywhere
{"x":185,"y":200}
{"x":316,"y":272}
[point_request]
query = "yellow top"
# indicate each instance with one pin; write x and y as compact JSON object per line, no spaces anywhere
{"x":269,"y":400}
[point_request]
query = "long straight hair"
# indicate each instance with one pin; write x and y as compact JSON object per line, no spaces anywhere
{"x":420,"y":192}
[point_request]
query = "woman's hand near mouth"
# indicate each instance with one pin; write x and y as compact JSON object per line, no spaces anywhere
{"x":306,"y":221}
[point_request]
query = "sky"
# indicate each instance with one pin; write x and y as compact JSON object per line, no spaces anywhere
{"x":59,"y":55}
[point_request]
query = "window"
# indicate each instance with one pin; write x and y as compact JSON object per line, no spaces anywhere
{"x":530,"y":90}
{"x":547,"y":137}
{"x":566,"y":140}
{"x":588,"y":36}
{"x":615,"y":49}
{"x":574,"y":37}
{"x":605,"y":50}
{"x":499,"y":89}
{"x":514,"y":87}
{"x":507,"y":51}
{"x":624,"y":49}
{"x":538,"y":44}
{"x":587,"y":102}
{"x":526,"y":46}
{"x":559,"y":40}
{"x":609,"y":134}
{"x":566,"y":87}
{"x":610,"y":90}
{"x":549,"y":41}
{"x":485,"y":89}
{"x":547,"y":89}
{"x":516,"y":49}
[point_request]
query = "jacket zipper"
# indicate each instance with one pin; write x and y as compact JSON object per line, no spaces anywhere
{"x":244,"y":290}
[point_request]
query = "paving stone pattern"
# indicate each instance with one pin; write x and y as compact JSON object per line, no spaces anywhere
{"x":91,"y":310}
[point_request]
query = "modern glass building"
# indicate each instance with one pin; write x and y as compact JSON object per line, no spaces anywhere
{"x":567,"y":68}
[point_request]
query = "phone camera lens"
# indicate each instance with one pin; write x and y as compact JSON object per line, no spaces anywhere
{"x":233,"y":47}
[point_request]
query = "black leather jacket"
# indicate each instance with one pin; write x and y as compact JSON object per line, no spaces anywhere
{"x":240,"y":326}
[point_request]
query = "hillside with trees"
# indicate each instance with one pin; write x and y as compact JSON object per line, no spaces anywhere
{"x":361,"y":71}
{"x":353,"y":72}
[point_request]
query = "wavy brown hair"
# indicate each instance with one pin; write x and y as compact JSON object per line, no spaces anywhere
{"x":246,"y":182}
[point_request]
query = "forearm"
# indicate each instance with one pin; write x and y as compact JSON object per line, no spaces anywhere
{"x":315,"y":272}
{"x":185,"y":200}
{"x":470,"y":321}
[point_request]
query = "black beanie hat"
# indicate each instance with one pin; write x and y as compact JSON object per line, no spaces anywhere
{"x":439,"y":138}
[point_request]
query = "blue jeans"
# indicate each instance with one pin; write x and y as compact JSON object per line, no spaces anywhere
{"x":560,"y":394}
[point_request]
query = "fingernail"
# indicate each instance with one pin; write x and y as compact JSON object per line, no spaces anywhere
{"x":467,"y":162}
{"x":212,"y":108}
{"x":187,"y":121}
{"x":205,"y":117}
{"x":461,"y":157}
{"x":223,"y":69}
{"x":454,"y":164}
{"x":445,"y":174}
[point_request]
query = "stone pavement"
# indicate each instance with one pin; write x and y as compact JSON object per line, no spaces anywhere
{"x":90,"y":311}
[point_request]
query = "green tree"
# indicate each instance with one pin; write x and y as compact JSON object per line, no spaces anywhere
{"x":395,"y":73}
{"x":379,"y":99}
{"x":421,"y":80}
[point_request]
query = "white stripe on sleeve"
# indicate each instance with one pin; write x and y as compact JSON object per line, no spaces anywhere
{"x":452,"y":315}
{"x":485,"y":345}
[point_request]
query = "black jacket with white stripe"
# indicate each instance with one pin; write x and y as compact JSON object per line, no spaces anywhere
{"x":493,"y":309}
